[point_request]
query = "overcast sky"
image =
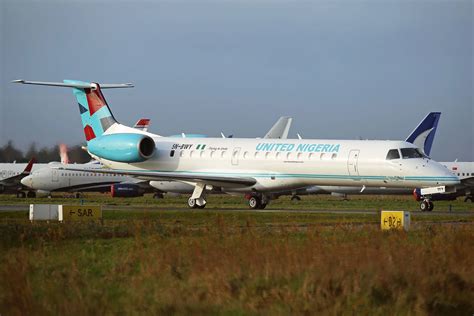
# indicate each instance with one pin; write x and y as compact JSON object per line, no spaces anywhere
{"x":342,"y":69}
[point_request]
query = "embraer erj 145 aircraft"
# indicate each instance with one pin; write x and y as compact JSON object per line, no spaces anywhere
{"x":251,"y":166}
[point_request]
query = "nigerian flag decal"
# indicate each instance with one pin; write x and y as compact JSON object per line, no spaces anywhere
{"x":200,"y":146}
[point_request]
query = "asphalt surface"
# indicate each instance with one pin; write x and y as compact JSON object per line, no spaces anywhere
{"x":25,"y":207}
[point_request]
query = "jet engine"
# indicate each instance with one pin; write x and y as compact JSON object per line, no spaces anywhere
{"x":127,"y":148}
{"x":126,"y":190}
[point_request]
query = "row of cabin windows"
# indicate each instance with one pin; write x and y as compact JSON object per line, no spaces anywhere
{"x":83,"y":174}
{"x":9,"y":173}
{"x":256,"y":155}
{"x":465,"y":174}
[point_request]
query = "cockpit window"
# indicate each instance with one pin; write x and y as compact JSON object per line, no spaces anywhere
{"x":393,"y":154}
{"x":408,"y":153}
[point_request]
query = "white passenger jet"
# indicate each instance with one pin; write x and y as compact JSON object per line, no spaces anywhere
{"x":250,"y":166}
{"x":49,"y":179}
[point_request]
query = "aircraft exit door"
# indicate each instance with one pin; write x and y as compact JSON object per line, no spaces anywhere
{"x":352,"y":162}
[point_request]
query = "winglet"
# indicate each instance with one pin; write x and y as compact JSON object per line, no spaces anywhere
{"x":29,"y":166}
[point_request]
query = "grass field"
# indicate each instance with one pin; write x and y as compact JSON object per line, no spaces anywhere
{"x":154,"y":257}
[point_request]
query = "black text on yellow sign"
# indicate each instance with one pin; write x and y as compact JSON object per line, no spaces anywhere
{"x":80,"y":212}
{"x":395,"y":220}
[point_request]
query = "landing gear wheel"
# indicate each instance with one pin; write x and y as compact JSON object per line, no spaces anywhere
{"x":192,"y":203}
{"x":295,"y":198}
{"x":202,"y":206}
{"x":469,"y":198}
{"x":78,"y":195}
{"x":424,"y":206}
{"x":31,"y":194}
{"x":158,"y":196}
{"x":430,"y":206}
{"x":255,"y":202}
{"x":20,"y":195}
{"x":262,"y":206}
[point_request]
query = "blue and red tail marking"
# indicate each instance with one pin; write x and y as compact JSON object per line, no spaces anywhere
{"x":95,"y":113}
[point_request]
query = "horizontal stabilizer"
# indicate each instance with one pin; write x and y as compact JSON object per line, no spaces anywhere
{"x":78,"y":85}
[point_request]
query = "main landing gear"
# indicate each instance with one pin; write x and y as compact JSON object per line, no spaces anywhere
{"x":198,"y":199}
{"x":258,"y":202}
{"x":426,"y":205}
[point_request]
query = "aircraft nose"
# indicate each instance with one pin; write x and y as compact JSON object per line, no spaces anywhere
{"x":27,"y":181}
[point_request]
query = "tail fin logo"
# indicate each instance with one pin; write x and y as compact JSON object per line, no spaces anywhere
{"x":95,"y":113}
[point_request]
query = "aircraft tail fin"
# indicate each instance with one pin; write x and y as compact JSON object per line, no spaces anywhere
{"x":95,"y":113}
{"x":423,"y":135}
{"x":142,"y":124}
{"x":280,"y":129}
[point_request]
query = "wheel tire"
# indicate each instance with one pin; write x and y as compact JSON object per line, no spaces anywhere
{"x":192,"y":203}
{"x":158,"y":196}
{"x":469,"y":198}
{"x":430,"y":206}
{"x":20,"y":195}
{"x":424,"y":206}
{"x":262,"y":206}
{"x":77,"y":195}
{"x":295,"y":198}
{"x":254,"y":202}
{"x":31,"y":194}
{"x":202,"y":206}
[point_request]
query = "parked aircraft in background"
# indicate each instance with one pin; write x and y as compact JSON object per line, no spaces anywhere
{"x":254,"y":167}
{"x":11,"y":175}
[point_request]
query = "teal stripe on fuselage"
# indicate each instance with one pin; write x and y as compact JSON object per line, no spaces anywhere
{"x":311,"y":176}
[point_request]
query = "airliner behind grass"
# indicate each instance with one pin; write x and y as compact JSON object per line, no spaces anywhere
{"x":254,"y":167}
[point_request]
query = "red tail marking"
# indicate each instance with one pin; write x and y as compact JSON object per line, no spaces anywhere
{"x":95,"y":100}
{"x":89,"y":132}
{"x":30,"y":165}
{"x":144,"y":122}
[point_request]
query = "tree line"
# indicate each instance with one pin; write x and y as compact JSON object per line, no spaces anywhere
{"x":10,"y":153}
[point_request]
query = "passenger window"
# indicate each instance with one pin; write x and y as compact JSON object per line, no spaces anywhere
{"x":333,"y":156}
{"x":223,"y":154}
{"x":246,"y":155}
{"x":393,"y":154}
{"x":172,"y":153}
{"x":181,"y":153}
{"x":299,"y":156}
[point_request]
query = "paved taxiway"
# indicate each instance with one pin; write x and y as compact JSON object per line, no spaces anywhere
{"x":25,"y":207}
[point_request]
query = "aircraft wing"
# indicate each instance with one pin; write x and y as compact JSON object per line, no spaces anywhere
{"x":280,"y":129}
{"x":468,"y":182}
{"x":14,"y":180}
{"x":180,"y":176}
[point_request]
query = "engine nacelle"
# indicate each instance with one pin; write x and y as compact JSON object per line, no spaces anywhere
{"x":126,"y":190}
{"x":122,"y":147}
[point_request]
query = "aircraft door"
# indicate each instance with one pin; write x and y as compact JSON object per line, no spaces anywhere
{"x":352,"y":162}
{"x":54,"y":175}
{"x":235,"y":156}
